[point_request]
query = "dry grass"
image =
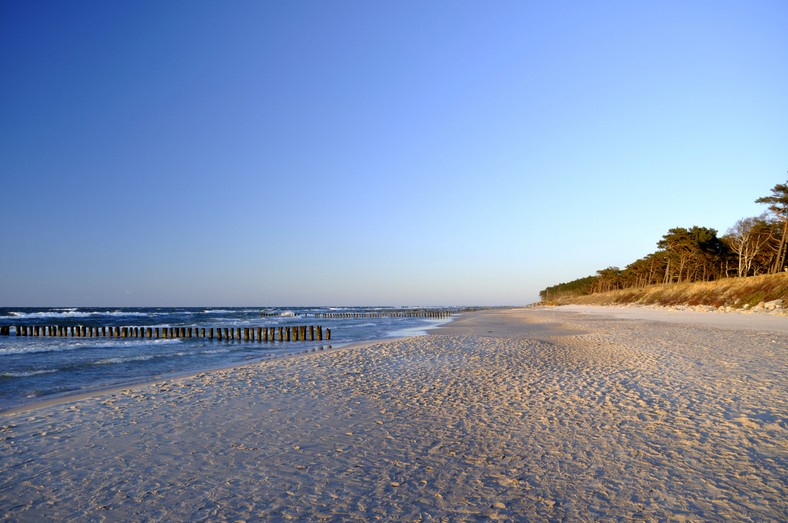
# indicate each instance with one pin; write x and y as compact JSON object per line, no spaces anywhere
{"x":729,"y":292}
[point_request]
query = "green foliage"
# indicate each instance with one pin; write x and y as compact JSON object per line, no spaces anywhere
{"x":577,"y":287}
{"x":696,"y":254}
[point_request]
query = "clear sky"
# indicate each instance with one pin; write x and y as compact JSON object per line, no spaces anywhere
{"x":361,"y":153}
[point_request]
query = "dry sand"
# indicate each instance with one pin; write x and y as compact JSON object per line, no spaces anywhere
{"x":514,"y":415}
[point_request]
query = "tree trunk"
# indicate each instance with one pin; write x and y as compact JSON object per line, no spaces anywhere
{"x":780,"y":260}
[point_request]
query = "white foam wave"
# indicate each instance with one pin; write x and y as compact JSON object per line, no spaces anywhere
{"x":26,"y":374}
{"x":120,"y":359}
{"x":75,"y":313}
{"x":33,"y":349}
{"x":215,"y":351}
{"x":83,"y":343}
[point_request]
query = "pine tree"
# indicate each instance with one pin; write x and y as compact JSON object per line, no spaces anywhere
{"x":778,"y":204}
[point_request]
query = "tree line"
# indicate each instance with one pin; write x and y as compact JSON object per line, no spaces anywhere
{"x":753,"y":246}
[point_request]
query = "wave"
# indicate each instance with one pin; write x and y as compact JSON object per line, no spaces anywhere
{"x":27,"y":374}
{"x":34,"y":349}
{"x":75,"y":313}
{"x":121,"y":359}
{"x":147,"y":357}
{"x":95,"y":343}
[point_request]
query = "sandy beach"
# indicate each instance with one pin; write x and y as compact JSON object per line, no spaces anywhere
{"x":554,"y":414}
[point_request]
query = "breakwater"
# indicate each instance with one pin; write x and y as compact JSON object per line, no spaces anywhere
{"x":249,"y":334}
{"x":33,"y":366}
{"x":386,"y":313}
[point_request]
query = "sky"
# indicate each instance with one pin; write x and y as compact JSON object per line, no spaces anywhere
{"x":255,"y":153}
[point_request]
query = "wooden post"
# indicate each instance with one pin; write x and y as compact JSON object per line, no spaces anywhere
{"x":210,"y":333}
{"x":281,"y":333}
{"x":311,"y":333}
{"x":319,"y":333}
{"x":328,"y":334}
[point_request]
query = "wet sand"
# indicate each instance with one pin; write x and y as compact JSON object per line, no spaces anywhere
{"x":512,"y":415}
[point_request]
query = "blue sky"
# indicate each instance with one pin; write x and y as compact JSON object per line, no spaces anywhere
{"x":408,"y":153}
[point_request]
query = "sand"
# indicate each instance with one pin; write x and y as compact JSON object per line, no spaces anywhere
{"x":511,"y":415}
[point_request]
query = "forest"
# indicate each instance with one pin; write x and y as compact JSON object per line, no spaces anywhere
{"x":753,"y":246}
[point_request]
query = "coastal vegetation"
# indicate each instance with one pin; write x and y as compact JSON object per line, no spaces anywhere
{"x":695,"y":266}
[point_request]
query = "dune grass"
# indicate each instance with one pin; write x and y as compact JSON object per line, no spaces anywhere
{"x":729,"y":292}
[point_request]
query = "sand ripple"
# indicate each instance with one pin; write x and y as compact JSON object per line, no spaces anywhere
{"x":628,"y":420}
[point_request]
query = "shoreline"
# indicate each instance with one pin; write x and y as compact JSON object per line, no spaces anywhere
{"x":504,"y":414}
{"x":67,"y":397}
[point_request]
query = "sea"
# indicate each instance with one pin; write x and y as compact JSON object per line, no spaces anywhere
{"x":34,"y":369}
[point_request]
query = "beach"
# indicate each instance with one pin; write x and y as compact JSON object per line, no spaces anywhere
{"x":533,"y":414}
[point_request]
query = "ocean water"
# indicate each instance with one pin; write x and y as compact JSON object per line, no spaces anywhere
{"x":39,"y":368}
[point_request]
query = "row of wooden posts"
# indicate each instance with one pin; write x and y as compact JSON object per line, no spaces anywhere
{"x":260,"y":334}
{"x":386,"y":314}
{"x":378,"y":314}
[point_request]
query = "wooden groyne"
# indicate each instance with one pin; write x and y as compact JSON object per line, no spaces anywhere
{"x":256,"y":334}
{"x":388,"y":313}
